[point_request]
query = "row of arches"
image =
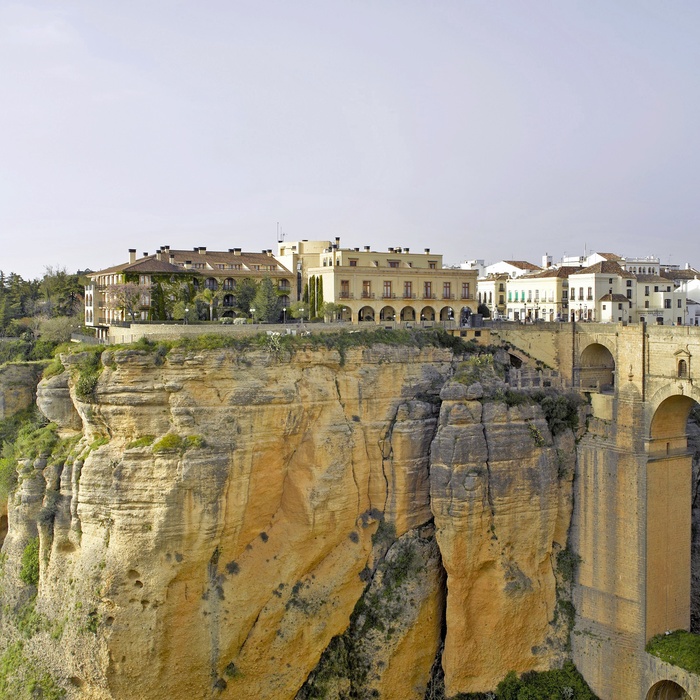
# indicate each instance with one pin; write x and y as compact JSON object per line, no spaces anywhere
{"x":408,"y":314}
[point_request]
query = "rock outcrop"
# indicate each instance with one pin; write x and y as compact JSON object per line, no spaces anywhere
{"x":229,"y":516}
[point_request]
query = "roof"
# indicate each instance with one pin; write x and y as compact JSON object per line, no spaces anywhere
{"x":151,"y":264}
{"x":522,"y":264}
{"x":564,"y":271}
{"x":686,"y":274}
{"x":606,"y":267}
{"x":653,"y":278}
{"x":610,"y":256}
{"x":614,"y":297}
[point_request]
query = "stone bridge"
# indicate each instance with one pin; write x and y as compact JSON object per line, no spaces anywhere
{"x":633,"y":489}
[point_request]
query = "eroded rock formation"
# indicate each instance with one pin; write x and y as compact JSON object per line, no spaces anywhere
{"x":227,"y":517}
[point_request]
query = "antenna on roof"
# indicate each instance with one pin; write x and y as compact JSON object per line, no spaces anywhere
{"x":280,"y":235}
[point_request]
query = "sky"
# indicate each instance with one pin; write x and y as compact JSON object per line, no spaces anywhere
{"x":481,"y":129}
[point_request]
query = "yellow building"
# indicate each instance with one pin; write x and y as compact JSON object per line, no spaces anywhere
{"x":383,"y":286}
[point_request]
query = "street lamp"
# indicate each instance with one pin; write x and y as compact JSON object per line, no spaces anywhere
{"x":284,"y":315}
{"x":187,"y":311}
{"x":252,"y":313}
{"x":301,"y":311}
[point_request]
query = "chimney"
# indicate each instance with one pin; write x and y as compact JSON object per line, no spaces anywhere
{"x":188,"y":264}
{"x":166,"y":248}
{"x":366,"y":249}
{"x":132,"y":256}
{"x":391,"y":250}
{"x":269,"y":252}
{"x":399,"y":250}
{"x":157,"y":255}
{"x":236,"y":251}
{"x":405,"y":250}
{"x":202,"y":250}
{"x":337,"y":241}
{"x":145,"y":253}
{"x":357,"y":250}
{"x":172,"y":258}
{"x":427,"y":251}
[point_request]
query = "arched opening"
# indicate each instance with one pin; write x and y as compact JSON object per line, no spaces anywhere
{"x":427,"y":314}
{"x":669,"y":486}
{"x":229,"y":283}
{"x":597,"y":368}
{"x":682,"y":368}
{"x":447,"y":313}
{"x":211,"y":283}
{"x":284,"y":301}
{"x":408,"y":314}
{"x":464,"y":314}
{"x":366,"y":313}
{"x":387,"y":314}
{"x":346,"y":314}
{"x":667,"y":690}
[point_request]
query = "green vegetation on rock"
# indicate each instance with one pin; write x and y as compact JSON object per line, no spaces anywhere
{"x":29,"y":573}
{"x":21,"y":679}
{"x":679,"y":648}
{"x":175,"y":442}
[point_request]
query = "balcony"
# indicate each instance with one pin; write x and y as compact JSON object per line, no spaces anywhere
{"x":388,"y":295}
{"x":368,"y":295}
{"x":429,"y":296}
{"x":408,"y":295}
{"x":448,"y":296}
{"x":346,"y":295}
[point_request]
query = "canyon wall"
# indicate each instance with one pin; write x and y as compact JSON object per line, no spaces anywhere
{"x":229,"y":523}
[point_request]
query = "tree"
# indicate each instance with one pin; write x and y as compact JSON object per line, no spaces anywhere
{"x":210,"y":298}
{"x":299,"y":309}
{"x":484,"y":311}
{"x":319,"y":296}
{"x":331,"y":310}
{"x":267,"y":303}
{"x":246,"y":290}
{"x":312,"y":297}
{"x":126,"y":297}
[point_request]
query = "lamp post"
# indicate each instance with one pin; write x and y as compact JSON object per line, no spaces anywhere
{"x":187,"y":311}
{"x":284,"y":315}
{"x":301,"y":311}
{"x":252,"y":314}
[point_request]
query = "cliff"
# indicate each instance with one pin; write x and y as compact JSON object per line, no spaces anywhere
{"x":253,"y":523}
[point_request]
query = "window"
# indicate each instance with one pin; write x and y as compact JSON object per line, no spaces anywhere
{"x":619,"y":306}
{"x":387,"y":289}
{"x":432,"y":265}
{"x":465,"y":290}
{"x":501,"y":288}
{"x":682,"y":367}
{"x":604,"y":307}
{"x":510,"y":296}
{"x":629,"y":283}
{"x":580,"y":294}
{"x":428,"y":290}
{"x":501,"y":299}
{"x":407,"y":290}
{"x":393,"y":263}
{"x":656,"y":288}
{"x":529,"y":295}
{"x":667,"y":303}
{"x":610,"y":280}
{"x":447,"y":290}
{"x":590,"y":293}
{"x":680,"y":303}
{"x":629,"y":293}
{"x":646,"y":291}
{"x":564,"y":295}
{"x":679,"y":321}
{"x":366,"y":289}
{"x":344,"y":289}
{"x":353,"y":263}
{"x":646,"y":304}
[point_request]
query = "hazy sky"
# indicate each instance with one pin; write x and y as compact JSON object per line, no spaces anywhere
{"x":489,"y":129}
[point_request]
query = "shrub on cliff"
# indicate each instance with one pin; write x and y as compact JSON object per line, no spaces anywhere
{"x":679,"y":648}
{"x":29,"y":573}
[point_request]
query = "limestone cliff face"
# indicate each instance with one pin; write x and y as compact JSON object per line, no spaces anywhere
{"x":227,"y":517}
{"x":501,"y":495}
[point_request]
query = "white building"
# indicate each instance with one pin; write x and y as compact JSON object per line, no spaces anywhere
{"x":513,"y":268}
{"x":542,"y":295}
{"x":603,"y":284}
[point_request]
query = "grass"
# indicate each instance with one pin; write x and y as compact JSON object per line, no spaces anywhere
{"x":143,"y":441}
{"x":29,"y":573}
{"x":564,"y":682}
{"x":174,"y":442}
{"x":21,"y":679}
{"x":679,"y":648}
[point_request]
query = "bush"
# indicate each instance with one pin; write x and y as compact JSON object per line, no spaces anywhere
{"x":172,"y":441}
{"x":143,"y":441}
{"x":679,"y":648}
{"x":545,"y":684}
{"x":29,"y":573}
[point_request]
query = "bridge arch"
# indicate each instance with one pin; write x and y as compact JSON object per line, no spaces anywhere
{"x":667,"y":690}
{"x":669,"y":476}
{"x":596,"y":366}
